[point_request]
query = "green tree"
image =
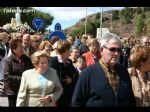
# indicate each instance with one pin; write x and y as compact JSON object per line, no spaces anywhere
{"x":5,"y":16}
{"x":75,"y":32}
{"x":148,"y":26}
{"x":79,"y":31}
{"x":139,"y":25}
{"x":92,"y":28}
{"x":98,"y":16}
{"x":25,"y":17}
{"x":139,"y":10}
{"x":48,"y":19}
{"x":126,"y":15}
{"x":115,"y":14}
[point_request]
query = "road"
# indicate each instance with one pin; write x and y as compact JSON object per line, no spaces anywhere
{"x":3,"y":101}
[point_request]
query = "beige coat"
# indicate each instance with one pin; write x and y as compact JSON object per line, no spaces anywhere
{"x":137,"y":89}
{"x":30,"y":90}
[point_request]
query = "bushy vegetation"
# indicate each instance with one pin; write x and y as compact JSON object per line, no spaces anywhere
{"x":139,"y":25}
{"x":126,"y":15}
{"x":25,"y":17}
{"x":137,"y":17}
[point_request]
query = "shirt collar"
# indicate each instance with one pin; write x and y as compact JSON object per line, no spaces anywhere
{"x":108,"y":67}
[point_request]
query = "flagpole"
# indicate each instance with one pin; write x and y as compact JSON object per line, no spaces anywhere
{"x":86,"y":21}
{"x":101,"y":20}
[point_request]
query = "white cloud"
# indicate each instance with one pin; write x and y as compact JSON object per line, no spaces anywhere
{"x":65,"y":13}
{"x":69,"y":13}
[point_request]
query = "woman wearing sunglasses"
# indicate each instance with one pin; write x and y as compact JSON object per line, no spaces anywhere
{"x":93,"y":55}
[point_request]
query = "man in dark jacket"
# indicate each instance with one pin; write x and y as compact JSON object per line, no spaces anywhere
{"x":106,"y":83}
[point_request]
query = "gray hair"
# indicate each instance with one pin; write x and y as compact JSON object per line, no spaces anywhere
{"x":107,"y":37}
{"x":74,"y":47}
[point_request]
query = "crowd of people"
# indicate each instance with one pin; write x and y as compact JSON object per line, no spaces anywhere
{"x":78,"y":71}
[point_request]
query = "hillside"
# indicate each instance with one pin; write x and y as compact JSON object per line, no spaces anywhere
{"x":118,"y":25}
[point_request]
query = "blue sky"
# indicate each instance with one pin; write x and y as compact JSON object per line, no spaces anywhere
{"x":69,"y":16}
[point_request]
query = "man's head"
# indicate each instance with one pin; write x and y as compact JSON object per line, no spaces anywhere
{"x":26,"y":40}
{"x":145,"y":41}
{"x":110,"y":49}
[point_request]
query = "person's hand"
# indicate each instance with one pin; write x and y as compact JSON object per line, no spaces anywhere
{"x":46,"y":99}
{"x":133,"y":71}
{"x":68,"y":80}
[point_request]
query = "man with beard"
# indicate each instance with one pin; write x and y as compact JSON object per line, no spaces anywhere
{"x":105,"y":83}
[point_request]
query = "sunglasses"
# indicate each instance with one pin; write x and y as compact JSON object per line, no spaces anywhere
{"x":112,"y":49}
{"x":36,"y":41}
{"x":48,"y":50}
{"x":147,"y":42}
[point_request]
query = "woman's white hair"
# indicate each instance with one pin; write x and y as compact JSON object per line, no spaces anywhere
{"x":107,"y":37}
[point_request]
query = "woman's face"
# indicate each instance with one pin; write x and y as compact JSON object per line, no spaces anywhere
{"x":94,"y":48}
{"x":81,"y":64}
{"x":47,"y":49}
{"x":42,"y":66}
{"x":19,"y":50}
{"x":35,"y":43}
{"x":75,"y":53}
{"x":145,"y":65}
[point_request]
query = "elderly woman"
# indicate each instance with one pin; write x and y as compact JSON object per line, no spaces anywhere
{"x":65,"y":71}
{"x":94,"y":53}
{"x":14,"y":66}
{"x":140,"y":60}
{"x":40,"y":86}
{"x":74,"y":54}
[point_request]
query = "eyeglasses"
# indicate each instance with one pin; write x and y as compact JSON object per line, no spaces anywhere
{"x":42,"y":63}
{"x":94,"y":45}
{"x":112,"y":49}
{"x":37,"y":41}
{"x":147,"y":42}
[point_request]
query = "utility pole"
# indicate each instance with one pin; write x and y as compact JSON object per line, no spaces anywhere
{"x":86,"y":21}
{"x":101,"y":21}
{"x":111,"y":20}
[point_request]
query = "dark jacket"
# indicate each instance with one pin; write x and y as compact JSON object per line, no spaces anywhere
{"x":64,"y":70}
{"x":93,"y":88}
{"x":83,"y":48}
{"x":13,"y":71}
